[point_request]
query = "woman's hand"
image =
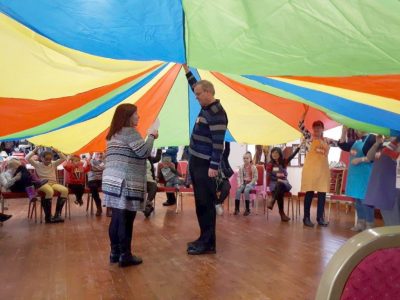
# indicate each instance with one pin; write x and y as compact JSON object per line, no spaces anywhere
{"x":155,"y":134}
{"x":379,"y":139}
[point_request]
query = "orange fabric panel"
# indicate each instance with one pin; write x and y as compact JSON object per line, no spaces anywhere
{"x":381,"y":85}
{"x":149,"y":106}
{"x":287,"y":110}
{"x":34,"y":112}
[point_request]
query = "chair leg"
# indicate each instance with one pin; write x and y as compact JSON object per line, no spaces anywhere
{"x":177,"y":203}
{"x":181,"y":202}
{"x":291,"y":201}
{"x":87,"y":203}
{"x":329,"y":210}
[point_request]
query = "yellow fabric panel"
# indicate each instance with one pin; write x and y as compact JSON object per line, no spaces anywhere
{"x":249,"y":123}
{"x":72,"y":138}
{"x":34,"y":67}
{"x":359,"y":97}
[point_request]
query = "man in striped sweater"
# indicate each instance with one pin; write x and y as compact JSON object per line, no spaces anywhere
{"x":206,"y":147}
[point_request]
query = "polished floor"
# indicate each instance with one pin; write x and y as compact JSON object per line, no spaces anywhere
{"x":256,"y":258}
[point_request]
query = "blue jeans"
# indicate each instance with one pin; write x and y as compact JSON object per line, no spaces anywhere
{"x":364,"y":212}
{"x":245,"y":189}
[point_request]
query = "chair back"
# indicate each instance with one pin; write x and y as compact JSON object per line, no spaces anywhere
{"x":182,"y":168}
{"x":261,"y":173}
{"x":366,"y":259}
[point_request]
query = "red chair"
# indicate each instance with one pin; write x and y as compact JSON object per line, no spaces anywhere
{"x":288,"y":196}
{"x":365,"y":267}
{"x":259,"y":189}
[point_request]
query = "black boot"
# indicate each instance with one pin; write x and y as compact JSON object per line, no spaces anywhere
{"x":4,"y":217}
{"x":237,"y":205}
{"x":284,"y":217}
{"x":57,"y":216}
{"x":126,"y":258}
{"x":271,"y":203}
{"x":247,"y":211}
{"x":307,"y":222}
{"x":322,"y":222}
{"x":115,"y":254}
{"x":46,"y":205}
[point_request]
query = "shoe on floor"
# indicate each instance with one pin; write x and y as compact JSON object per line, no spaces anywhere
{"x":321,"y":222}
{"x":4,"y":217}
{"x":126,"y":260}
{"x":307,"y":222}
{"x":166,"y":203}
{"x":246,"y":212}
{"x":201,"y":249}
{"x":219,"y":209}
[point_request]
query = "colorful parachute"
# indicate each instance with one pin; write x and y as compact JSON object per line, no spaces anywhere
{"x":66,"y":65}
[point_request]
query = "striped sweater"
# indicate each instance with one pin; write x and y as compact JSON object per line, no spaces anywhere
{"x":207,"y":139}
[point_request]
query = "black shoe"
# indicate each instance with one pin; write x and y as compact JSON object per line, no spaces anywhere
{"x":246,"y":212}
{"x":57,"y":219}
{"x":166,"y":203}
{"x":193,"y":243}
{"x":4,"y":217}
{"x":148,"y":210}
{"x":199,"y":250}
{"x":126,"y":260}
{"x":236,"y":212}
{"x":114,"y":258}
{"x":321,"y":222}
{"x":307,"y":222}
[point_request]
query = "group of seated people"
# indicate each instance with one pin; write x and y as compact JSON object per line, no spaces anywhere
{"x":79,"y":173}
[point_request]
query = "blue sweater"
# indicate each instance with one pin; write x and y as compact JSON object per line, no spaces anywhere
{"x":207,"y":140}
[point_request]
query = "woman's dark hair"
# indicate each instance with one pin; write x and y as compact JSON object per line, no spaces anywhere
{"x":318,"y":123}
{"x":280,"y":159}
{"x":44,"y":153}
{"x":121,"y":118}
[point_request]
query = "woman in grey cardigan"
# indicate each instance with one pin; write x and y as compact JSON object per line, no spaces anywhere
{"x":124,"y":180}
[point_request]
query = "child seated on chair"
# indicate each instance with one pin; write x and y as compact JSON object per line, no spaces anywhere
{"x":95,"y":178}
{"x":169,"y":173}
{"x":277,"y":179}
{"x":75,"y":171}
{"x":17,"y":179}
{"x":46,"y":168}
{"x":248,"y":176}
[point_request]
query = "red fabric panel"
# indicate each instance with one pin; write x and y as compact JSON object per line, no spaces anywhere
{"x":377,"y":276}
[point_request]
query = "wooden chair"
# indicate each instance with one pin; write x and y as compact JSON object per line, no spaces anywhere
{"x":366,"y":267}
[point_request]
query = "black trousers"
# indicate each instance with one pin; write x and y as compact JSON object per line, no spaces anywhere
{"x":78,"y":190}
{"x":94,"y":186}
{"x":223,"y":188}
{"x":321,"y":204}
{"x":121,"y":228}
{"x":205,"y":196}
{"x":279,"y":194}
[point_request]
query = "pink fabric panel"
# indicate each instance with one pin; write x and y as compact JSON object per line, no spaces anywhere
{"x":376,"y":277}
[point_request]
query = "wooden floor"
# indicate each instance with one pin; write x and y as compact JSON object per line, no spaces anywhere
{"x":256,"y":258}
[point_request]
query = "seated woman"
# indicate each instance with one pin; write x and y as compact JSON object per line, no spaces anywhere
{"x":151,"y":182}
{"x":277,"y":179}
{"x":47,"y":169}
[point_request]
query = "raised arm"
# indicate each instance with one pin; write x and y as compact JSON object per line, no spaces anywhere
{"x":303,"y":129}
{"x":61,"y":159}
{"x":141,"y":147}
{"x":190,"y":77}
{"x":29,"y":156}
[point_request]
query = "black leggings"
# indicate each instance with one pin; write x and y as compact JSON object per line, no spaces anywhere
{"x":78,"y":190}
{"x":321,"y":204}
{"x":121,"y":229}
{"x":279,"y":194}
{"x":94,"y":186}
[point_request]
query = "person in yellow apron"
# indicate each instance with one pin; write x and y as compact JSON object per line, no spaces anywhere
{"x":316,"y":174}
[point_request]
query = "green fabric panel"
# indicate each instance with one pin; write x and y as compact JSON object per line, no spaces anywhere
{"x":64,"y":119}
{"x":297,"y":37}
{"x":174,"y":116}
